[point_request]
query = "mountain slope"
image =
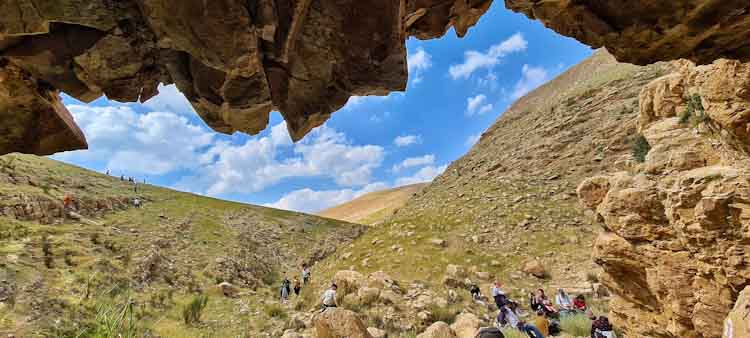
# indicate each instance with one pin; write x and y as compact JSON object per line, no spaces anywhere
{"x":373,"y":207}
{"x":512,"y":198}
{"x":59,"y":272}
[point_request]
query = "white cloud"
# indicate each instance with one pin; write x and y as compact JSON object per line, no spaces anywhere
{"x":476,"y":105}
{"x":308,"y":200}
{"x":425,"y":174}
{"x":531,"y":78}
{"x":135,"y":144}
{"x":170,"y":99}
{"x":407,"y":140}
{"x":418,"y":63}
{"x":258,"y":163}
{"x":472,"y":140}
{"x":474,"y":60}
{"x":414,"y":162}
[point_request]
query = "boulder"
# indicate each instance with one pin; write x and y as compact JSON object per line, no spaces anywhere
{"x":229,"y":290}
{"x":368,"y":295}
{"x":455,"y":271}
{"x":348,"y":281}
{"x":737,"y":324}
{"x":291,"y":334}
{"x":339,"y":323}
{"x":466,"y":325}
{"x":439,"y":242}
{"x":377,"y":333}
{"x":438,"y":330}
{"x":535,"y":268}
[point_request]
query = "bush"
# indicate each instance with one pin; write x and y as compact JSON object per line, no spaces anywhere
{"x":640,"y":148}
{"x":576,"y":325}
{"x":275,"y":311}
{"x":442,"y":314}
{"x":113,"y":322}
{"x":694,"y":112}
{"x":192,"y":312}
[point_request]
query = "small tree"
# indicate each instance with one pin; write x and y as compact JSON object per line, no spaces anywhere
{"x":694,"y":112}
{"x":640,"y":148}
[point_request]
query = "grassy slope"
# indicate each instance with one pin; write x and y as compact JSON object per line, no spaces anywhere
{"x":374,"y":207}
{"x":512,"y":197}
{"x":107,"y":251}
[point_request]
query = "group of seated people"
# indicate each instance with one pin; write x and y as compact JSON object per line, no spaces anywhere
{"x":545,"y":323}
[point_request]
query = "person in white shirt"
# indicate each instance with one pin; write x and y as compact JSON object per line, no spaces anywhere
{"x":563,"y":301}
{"x":329,"y":297}
{"x":498,"y":294}
{"x":305,"y":273}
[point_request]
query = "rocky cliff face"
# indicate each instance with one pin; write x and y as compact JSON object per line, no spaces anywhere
{"x":676,"y":251}
{"x":236,"y":60}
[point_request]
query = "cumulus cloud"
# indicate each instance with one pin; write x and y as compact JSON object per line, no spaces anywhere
{"x":170,"y":99}
{"x":472,"y":140}
{"x":258,"y":163}
{"x":475,"y":60}
{"x":135,"y":144}
{"x":531,"y":78}
{"x":309,"y":200}
{"x":425,"y":174}
{"x":477,"y":105}
{"x":407,"y":140}
{"x":414,"y":162}
{"x":418,"y":62}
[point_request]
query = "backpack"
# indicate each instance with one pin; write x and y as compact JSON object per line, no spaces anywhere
{"x":554,"y":328}
{"x":489,"y":332}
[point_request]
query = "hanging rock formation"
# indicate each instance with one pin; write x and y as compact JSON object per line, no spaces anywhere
{"x":644,"y":31}
{"x":676,"y":252}
{"x":235,"y":61}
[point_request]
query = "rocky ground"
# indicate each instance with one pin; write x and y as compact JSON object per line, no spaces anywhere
{"x":59,"y":275}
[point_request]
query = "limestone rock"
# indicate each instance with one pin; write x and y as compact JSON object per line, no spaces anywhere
{"x":438,"y":330}
{"x":737,"y":325}
{"x":466,"y":325}
{"x":535,"y":268}
{"x":455,"y":271}
{"x":228,"y":290}
{"x":643,"y":31}
{"x":339,"y":323}
{"x":348,"y":281}
{"x":377,"y":333}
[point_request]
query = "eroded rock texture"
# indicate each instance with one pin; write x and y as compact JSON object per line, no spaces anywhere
{"x":677,"y":249}
{"x":644,"y":31}
{"x":234,"y":60}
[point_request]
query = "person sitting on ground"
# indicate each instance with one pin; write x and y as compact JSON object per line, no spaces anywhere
{"x":285,"y":289}
{"x":297,"y":286}
{"x":542,"y":323}
{"x":543,"y":303}
{"x":305,"y":273}
{"x":580,"y":303}
{"x":601,"y":328}
{"x":507,"y":316}
{"x":564,"y":303}
{"x":498,"y":294}
{"x":329,"y":297}
{"x":475,"y":292}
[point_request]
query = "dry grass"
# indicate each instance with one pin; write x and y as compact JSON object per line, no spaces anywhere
{"x":373,"y":207}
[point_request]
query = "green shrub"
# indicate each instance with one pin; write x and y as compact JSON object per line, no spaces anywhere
{"x":640,"y":148}
{"x":113,"y":321}
{"x":275,"y":311}
{"x":192,"y":312}
{"x":576,"y":325}
{"x":694,"y":112}
{"x":442,"y":314}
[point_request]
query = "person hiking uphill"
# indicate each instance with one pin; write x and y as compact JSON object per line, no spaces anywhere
{"x":297,"y":286}
{"x":475,"y":292}
{"x":305,"y":273}
{"x":498,"y":294}
{"x":329,"y":297}
{"x":285,"y":289}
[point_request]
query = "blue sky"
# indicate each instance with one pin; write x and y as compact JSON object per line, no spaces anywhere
{"x":457,"y":89}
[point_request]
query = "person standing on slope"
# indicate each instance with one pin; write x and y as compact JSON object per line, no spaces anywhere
{"x":297,"y":286}
{"x":285,"y":289}
{"x":305,"y":273}
{"x":498,"y":294}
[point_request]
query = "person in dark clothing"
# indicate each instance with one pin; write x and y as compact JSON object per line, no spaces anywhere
{"x":498,"y":295}
{"x":297,"y":286}
{"x":475,"y":293}
{"x":601,"y":328}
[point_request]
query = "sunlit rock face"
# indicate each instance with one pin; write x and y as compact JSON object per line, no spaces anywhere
{"x":676,"y":250}
{"x":644,"y":31}
{"x":234,"y":60}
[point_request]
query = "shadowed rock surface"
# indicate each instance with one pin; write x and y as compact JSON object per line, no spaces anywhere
{"x":236,"y":61}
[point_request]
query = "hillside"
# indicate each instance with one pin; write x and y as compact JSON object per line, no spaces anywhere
{"x":373,"y":207}
{"x":511,"y":199}
{"x":61,"y":274}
